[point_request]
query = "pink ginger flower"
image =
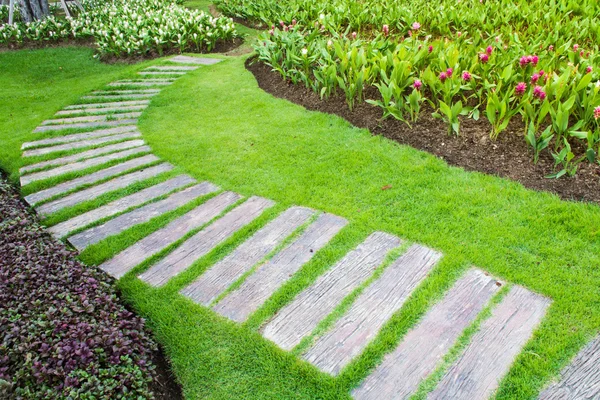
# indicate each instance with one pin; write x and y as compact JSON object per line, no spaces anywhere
{"x":597,"y":113}
{"x":575,"y":47}
{"x":294,"y":22}
{"x":520,"y":88}
{"x":550,"y":48}
{"x":535,"y":60}
{"x":353,"y":35}
{"x":443,"y":76}
{"x":416,"y":26}
{"x":589,"y":69}
{"x":459,"y":33}
{"x":541,"y":72}
{"x":484,"y":57}
{"x":581,"y":53}
{"x":466,"y":76}
{"x":489,"y":50}
{"x":523,"y":61}
{"x":538,"y":92}
{"x":386,"y":30}
{"x":286,"y":28}
{"x":271,"y":32}
{"x":281,"y":23}
{"x":430,"y":49}
{"x":417,"y":84}
{"x":410,"y":33}
{"x":449,"y":72}
{"x":535,"y":78}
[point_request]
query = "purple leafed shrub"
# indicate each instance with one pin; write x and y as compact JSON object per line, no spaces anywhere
{"x":63,"y":332}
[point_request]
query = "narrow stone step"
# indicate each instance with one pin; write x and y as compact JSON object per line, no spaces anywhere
{"x":493,"y":349}
{"x":73,"y":145}
{"x":160,"y":73}
{"x":85,"y":125}
{"x":106,"y":173}
{"x":126,"y":91}
{"x":78,"y":136}
{"x":90,"y":118}
{"x":134,"y":255}
{"x":259,"y":286}
{"x":301,"y":317}
{"x":171,"y":68}
{"x":581,"y":379}
{"x":82,"y":156}
{"x":106,"y":187}
{"x":194,"y":60}
{"x":138,"y":216}
{"x":119,"y":96}
{"x":204,"y":241}
{"x":218,"y":278}
{"x":120,"y":205}
{"x":82,"y":165}
{"x":371,"y":310}
{"x":423,"y":347}
{"x":144,"y":83}
{"x":111,"y":104}
{"x":101,"y":110}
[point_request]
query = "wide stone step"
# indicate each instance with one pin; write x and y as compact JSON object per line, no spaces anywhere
{"x":194,"y":60}
{"x":82,"y":165}
{"x":73,"y":145}
{"x":106,"y":173}
{"x":371,"y":310}
{"x":170,"y":68}
{"x":138,"y":216}
{"x":82,"y":156}
{"x":90,"y":118}
{"x":126,"y":91}
{"x":204,"y":241}
{"x":581,"y":379}
{"x":258,"y":287}
{"x":493,"y":349}
{"x":103,"y":188}
{"x":120,"y":205}
{"x":85,"y":125}
{"x":119,"y":97}
{"x":301,"y":317}
{"x":160,"y":73}
{"x":144,"y":83}
{"x":101,"y":110}
{"x":78,"y":136}
{"x":162,"y":238}
{"x":218,"y":278}
{"x":423,"y":347}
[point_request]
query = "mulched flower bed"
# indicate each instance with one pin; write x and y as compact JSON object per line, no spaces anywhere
{"x":508,"y":156}
{"x":63,"y":331}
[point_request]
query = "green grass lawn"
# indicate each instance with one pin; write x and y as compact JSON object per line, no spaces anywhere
{"x":216,"y":124}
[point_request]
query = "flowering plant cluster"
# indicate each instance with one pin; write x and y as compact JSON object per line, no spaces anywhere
{"x":63,"y":332}
{"x":129,"y":28}
{"x":550,"y":83}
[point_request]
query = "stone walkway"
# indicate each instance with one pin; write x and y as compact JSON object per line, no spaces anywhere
{"x":240,"y":283}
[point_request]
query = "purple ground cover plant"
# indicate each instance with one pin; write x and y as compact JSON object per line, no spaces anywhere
{"x":63,"y":332}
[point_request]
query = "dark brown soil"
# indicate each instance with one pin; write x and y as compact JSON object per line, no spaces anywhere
{"x":508,"y":156}
{"x":165,"y":387}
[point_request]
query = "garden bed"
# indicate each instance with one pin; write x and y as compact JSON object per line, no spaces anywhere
{"x":508,"y":156}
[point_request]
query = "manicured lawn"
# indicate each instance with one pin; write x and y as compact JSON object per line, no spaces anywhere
{"x":215,"y":124}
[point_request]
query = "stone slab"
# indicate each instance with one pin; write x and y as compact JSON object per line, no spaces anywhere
{"x":424,"y":346}
{"x":90,"y":118}
{"x":160,"y":73}
{"x":140,"y":215}
{"x":78,"y":136}
{"x":126,"y":91}
{"x":73,"y":145}
{"x":82,"y":165}
{"x":218,"y":278}
{"x":100,"y":110}
{"x":171,"y":68}
{"x":144,"y":83}
{"x":258,"y":287}
{"x":119,"y":97}
{"x":581,"y":379}
{"x":299,"y":318}
{"x":204,"y":241}
{"x":172,"y":232}
{"x":120,"y":205}
{"x":84,"y":155}
{"x":85,"y":125}
{"x":194,"y":60}
{"x":103,"y":188}
{"x":493,"y":349}
{"x":106,"y":173}
{"x":371,"y":310}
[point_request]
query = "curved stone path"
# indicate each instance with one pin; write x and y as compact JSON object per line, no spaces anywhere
{"x":101,"y":136}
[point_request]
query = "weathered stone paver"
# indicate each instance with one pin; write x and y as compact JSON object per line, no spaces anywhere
{"x":161,"y":73}
{"x":120,"y":205}
{"x":492,"y":350}
{"x":218,"y":278}
{"x":90,"y":118}
{"x":82,"y":165}
{"x":84,"y":155}
{"x":144,"y":83}
{"x":581,"y":379}
{"x":300,"y":318}
{"x":171,"y":68}
{"x":73,"y":145}
{"x":78,"y":136}
{"x":204,"y":241}
{"x":371,"y":310}
{"x":73,"y":184}
{"x":161,"y":239}
{"x":423,"y":347}
{"x":126,"y":91}
{"x":106,"y":187}
{"x":259,"y":286}
{"x":119,"y":97}
{"x":194,"y":60}
{"x":140,"y":215}
{"x":101,"y":110}
{"x":84,"y":125}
